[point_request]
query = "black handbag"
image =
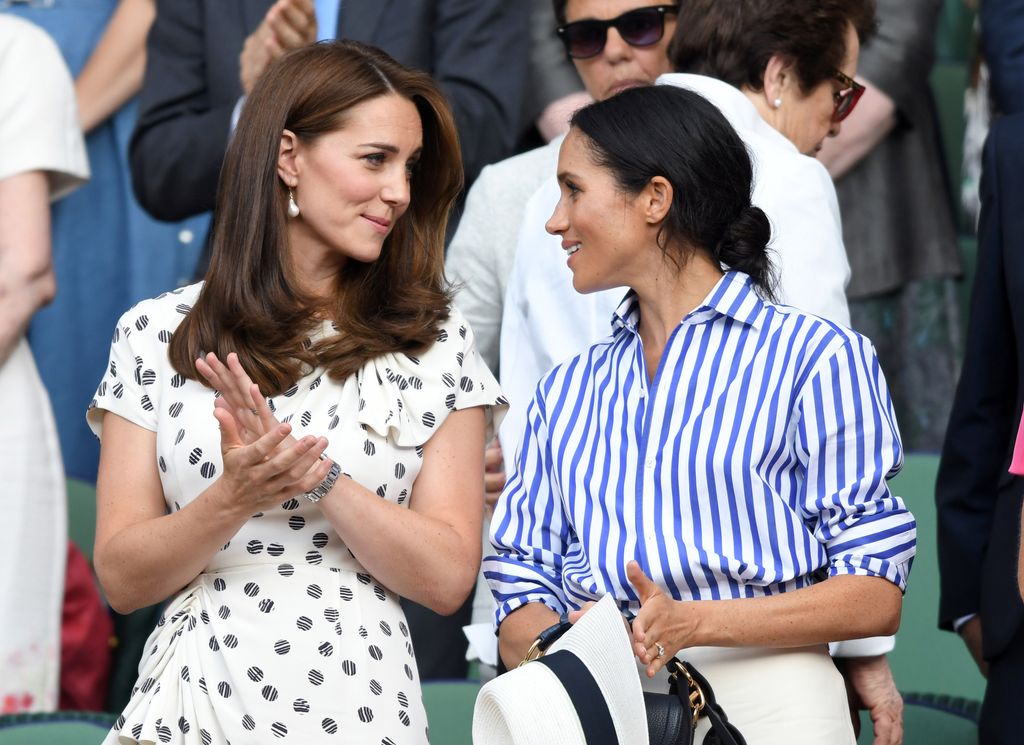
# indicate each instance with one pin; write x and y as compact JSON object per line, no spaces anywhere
{"x":671,"y":717}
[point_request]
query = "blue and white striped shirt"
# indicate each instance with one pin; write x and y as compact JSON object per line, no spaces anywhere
{"x":755,"y":463}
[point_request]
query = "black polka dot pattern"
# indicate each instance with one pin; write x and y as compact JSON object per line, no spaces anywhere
{"x":299,"y":643}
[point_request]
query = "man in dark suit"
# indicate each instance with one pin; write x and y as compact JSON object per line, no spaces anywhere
{"x":979,"y":502}
{"x":476,"y":50}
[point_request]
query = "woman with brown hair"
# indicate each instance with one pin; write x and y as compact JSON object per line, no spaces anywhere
{"x":284,"y":539}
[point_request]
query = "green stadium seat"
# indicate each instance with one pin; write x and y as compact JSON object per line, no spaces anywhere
{"x":926,"y":658}
{"x":56,"y":728}
{"x":449,"y":707}
{"x":82,"y":515}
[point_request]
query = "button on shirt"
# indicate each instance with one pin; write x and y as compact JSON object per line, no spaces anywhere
{"x":754,"y":463}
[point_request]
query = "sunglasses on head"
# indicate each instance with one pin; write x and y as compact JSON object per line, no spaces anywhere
{"x":638,"y":28}
{"x":845,"y":99}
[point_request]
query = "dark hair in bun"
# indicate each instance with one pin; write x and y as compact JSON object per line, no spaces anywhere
{"x":679,"y":135}
{"x":743,"y":246}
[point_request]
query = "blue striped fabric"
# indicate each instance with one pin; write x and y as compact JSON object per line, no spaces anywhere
{"x":755,"y":463}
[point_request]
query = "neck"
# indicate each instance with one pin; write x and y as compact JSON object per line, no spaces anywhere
{"x":315,"y":267}
{"x":666,"y":296}
{"x":760,"y":101}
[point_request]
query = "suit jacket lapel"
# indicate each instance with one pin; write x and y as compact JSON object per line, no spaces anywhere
{"x":360,"y":18}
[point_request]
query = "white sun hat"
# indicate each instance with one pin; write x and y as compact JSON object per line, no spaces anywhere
{"x":584,"y":691}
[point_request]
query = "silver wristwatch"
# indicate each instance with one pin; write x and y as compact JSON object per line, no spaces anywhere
{"x":319,"y":491}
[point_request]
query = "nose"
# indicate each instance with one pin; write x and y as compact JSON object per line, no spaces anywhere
{"x":557,"y":223}
{"x":615,"y":48}
{"x":395,"y":190}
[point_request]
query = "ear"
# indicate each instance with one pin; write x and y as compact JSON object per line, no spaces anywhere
{"x":287,"y":167}
{"x":656,"y":200}
{"x":778,"y":78}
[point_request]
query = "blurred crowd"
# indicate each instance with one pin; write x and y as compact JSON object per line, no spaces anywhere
{"x":116,"y":117}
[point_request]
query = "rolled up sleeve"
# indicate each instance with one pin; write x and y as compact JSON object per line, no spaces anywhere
{"x":849,"y":444}
{"x":529,"y":531}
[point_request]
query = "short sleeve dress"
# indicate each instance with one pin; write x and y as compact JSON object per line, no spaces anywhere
{"x":285,"y":635}
{"x":39,"y":132}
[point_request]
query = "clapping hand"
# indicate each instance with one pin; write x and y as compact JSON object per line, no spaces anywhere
{"x":289,"y":24}
{"x":239,"y":396}
{"x":263,"y":464}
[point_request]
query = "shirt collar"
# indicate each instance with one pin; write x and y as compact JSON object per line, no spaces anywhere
{"x":732,"y":296}
{"x":732,"y":102}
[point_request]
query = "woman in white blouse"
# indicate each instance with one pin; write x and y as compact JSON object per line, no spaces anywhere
{"x":718,"y":463}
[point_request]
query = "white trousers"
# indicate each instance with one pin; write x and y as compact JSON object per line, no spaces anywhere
{"x":773,"y":696}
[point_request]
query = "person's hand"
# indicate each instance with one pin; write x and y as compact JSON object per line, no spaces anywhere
{"x":970,"y":632}
{"x":662,"y":621}
{"x":267,"y":472}
{"x":870,"y":685}
{"x":289,"y":24}
{"x":494,"y":474}
{"x":576,"y":615}
{"x":239,"y":396}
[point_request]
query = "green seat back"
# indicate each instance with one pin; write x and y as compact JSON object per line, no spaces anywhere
{"x":449,"y":707}
{"x":57,"y":728}
{"x":931,"y":721}
{"x":925,"y":658}
{"x":82,"y":515}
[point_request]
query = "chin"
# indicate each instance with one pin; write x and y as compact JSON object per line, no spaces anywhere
{"x":585,"y":286}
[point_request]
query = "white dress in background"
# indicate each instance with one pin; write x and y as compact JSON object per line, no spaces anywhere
{"x":39,"y":132}
{"x":285,"y":636}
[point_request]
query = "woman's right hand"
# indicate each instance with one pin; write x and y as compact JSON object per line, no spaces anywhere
{"x":267,"y":471}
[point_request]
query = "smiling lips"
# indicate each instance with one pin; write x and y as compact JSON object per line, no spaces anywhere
{"x":381,"y":224}
{"x":570,"y":247}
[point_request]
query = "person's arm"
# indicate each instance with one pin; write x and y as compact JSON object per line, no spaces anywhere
{"x":849,"y":605}
{"x":182,"y":131}
{"x":432,"y":553}
{"x":1002,"y":28}
{"x":26,"y":270}
{"x":530,"y":537}
{"x":982,"y":418}
{"x":869,"y":124}
{"x":144,"y":555}
{"x":113,"y":72}
{"x":894,"y":64}
{"x":480,"y":62}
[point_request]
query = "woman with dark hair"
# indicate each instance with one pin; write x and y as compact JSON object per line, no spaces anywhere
{"x":775,"y":69}
{"x":718,"y":463}
{"x":284,"y":529}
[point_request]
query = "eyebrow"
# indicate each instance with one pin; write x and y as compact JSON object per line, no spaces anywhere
{"x":564,"y":175}
{"x":380,"y":146}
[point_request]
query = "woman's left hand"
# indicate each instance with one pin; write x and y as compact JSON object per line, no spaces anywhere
{"x":663,"y":626}
{"x":239,"y":396}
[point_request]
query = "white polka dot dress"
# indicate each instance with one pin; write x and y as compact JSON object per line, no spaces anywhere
{"x":284,"y":636}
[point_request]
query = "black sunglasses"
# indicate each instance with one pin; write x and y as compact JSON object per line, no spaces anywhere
{"x":845,"y":99}
{"x":638,"y":28}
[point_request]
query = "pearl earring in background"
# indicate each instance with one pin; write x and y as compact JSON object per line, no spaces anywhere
{"x":777,"y":103}
{"x":293,"y":208}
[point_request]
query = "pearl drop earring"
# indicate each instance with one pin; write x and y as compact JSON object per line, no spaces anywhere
{"x":293,"y":208}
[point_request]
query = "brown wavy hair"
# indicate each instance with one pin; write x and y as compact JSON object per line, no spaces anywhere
{"x":251,"y":303}
{"x":734,"y":41}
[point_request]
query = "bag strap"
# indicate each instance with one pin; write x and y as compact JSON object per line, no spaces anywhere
{"x":546,"y":638}
{"x":698,"y":698}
